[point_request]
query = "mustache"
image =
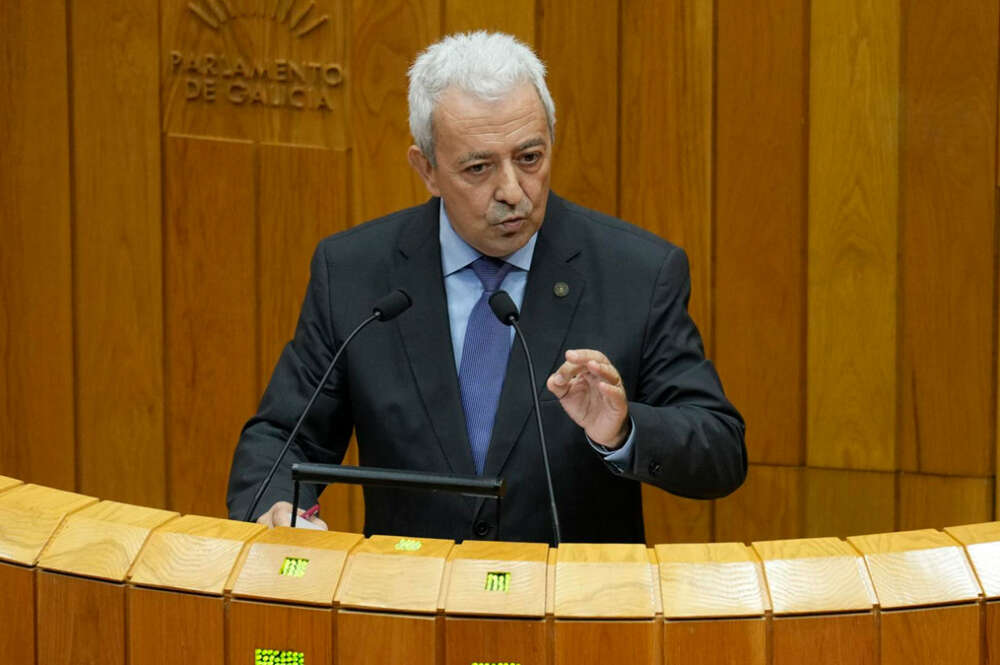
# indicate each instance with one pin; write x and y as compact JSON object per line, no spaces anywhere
{"x":499,"y":211}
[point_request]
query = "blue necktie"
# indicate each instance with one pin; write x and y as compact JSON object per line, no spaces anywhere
{"x":484,"y":360}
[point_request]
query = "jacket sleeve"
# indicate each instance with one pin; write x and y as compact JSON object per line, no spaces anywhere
{"x":689,"y":439}
{"x":326,"y":431}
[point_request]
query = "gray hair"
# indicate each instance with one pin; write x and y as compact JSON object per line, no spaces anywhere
{"x":487,"y":65}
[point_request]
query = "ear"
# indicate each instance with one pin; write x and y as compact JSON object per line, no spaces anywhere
{"x":424,"y":169}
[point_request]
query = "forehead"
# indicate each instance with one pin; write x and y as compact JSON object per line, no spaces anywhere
{"x":461,"y":117}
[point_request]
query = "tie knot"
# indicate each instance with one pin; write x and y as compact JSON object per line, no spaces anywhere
{"x":491,"y":272}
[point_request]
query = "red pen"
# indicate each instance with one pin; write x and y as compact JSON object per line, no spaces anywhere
{"x":309,"y":513}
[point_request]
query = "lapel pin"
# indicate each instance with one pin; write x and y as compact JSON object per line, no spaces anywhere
{"x":561,"y":289}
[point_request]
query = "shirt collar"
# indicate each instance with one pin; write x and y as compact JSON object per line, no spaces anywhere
{"x":457,"y":254}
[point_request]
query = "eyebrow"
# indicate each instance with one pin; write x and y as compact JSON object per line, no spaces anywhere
{"x":487,"y":154}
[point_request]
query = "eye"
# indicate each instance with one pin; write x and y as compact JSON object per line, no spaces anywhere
{"x":529,"y":158}
{"x":476,"y":169}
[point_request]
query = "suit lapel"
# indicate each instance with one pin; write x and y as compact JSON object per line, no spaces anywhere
{"x":545,"y":321}
{"x":427,"y":337}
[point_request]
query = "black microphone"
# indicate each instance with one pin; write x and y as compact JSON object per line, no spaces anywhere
{"x":505,"y":310}
{"x":386,"y":308}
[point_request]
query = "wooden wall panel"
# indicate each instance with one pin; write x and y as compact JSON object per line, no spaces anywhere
{"x":853,"y":182}
{"x":760,"y":224}
{"x":36,"y":337}
{"x":386,"y":37}
{"x":582,"y":82}
{"x":303,"y":197}
{"x":934,"y":502}
{"x":666,"y":135}
{"x":674,"y":519}
{"x":211,"y":319}
{"x":665,"y":176}
{"x":769,"y":506}
{"x":848,"y":503}
{"x":948,"y":273}
{"x":117,"y":252}
{"x":515,"y":17}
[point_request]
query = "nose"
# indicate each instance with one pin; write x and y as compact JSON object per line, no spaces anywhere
{"x":508,"y":188}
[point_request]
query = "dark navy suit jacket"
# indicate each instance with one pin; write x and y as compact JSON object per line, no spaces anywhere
{"x":397,"y":385}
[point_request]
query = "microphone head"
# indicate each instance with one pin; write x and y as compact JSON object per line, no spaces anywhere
{"x":392,"y":305}
{"x":504,"y":308}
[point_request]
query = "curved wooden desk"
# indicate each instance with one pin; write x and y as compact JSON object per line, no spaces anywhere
{"x":89,"y":581}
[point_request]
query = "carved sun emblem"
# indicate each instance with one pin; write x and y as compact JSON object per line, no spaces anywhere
{"x":298,"y":15}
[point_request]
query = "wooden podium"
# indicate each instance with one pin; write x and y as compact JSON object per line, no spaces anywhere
{"x":715,"y":604}
{"x":89,"y":582}
{"x":823,"y":603}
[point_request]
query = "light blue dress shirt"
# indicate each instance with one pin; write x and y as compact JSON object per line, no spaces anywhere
{"x":463,"y":289}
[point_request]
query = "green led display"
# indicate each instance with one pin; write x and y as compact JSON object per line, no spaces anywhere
{"x":278,"y":657}
{"x":494,"y":662}
{"x":498,"y":581}
{"x":294,"y":567}
{"x":407,"y":545}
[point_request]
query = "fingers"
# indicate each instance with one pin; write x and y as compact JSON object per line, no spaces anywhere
{"x":280,"y":514}
{"x":582,"y":364}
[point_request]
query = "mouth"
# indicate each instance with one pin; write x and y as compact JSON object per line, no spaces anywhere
{"x":511,"y":224}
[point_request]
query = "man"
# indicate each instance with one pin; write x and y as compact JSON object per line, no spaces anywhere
{"x":628,"y":393}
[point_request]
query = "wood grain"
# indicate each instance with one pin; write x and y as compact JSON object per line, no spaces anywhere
{"x":608,"y":642}
{"x":982,"y":546}
{"x":102,"y":540}
{"x":711,"y":580}
{"x":326,"y":551}
{"x":193,"y":553}
{"x":666,"y":169}
{"x":386,"y":638}
{"x":837,"y":639}
{"x":471,"y":562}
{"x":911,"y":568}
{"x":378,"y":576}
{"x":165,"y":628}
{"x":943,"y":636}
{"x":293,"y":104}
{"x":29,"y":515}
{"x":580,"y":81}
{"x":17,"y":639}
{"x":768,"y":507}
{"x":604,"y":581}
{"x":760,"y":220}
{"x":37,"y":415}
{"x":386,"y":37}
{"x":948,"y":270}
{"x":303,"y":196}
{"x":84,"y":621}
{"x":210,"y":315}
{"x":735,"y":642}
{"x":992,"y":632}
{"x":495,"y":641}
{"x":117,"y":250}
{"x":815,"y":575}
{"x":308,"y":630}
{"x":515,"y":18}
{"x":843,"y":503}
{"x":937,"y":501}
{"x":674,"y":519}
{"x":853,"y":230}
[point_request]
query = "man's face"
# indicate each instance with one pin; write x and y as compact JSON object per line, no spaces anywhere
{"x":492,"y":170}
